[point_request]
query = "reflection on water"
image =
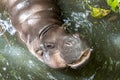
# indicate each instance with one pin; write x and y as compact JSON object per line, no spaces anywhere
{"x":17,"y":63}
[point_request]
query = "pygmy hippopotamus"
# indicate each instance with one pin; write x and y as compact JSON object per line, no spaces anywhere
{"x":40,"y":26}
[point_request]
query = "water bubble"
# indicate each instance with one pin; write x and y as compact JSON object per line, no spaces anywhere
{"x":30,"y":77}
{"x":51,"y":76}
{"x":4,"y":68}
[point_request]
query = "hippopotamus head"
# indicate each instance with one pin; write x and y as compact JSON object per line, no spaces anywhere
{"x":59,"y":49}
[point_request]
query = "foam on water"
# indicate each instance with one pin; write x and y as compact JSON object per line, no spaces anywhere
{"x":7,"y":27}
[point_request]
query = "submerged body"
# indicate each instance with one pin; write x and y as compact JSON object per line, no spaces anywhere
{"x":39,"y":25}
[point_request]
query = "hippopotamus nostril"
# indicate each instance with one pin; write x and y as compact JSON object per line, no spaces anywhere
{"x":68,"y":44}
{"x":70,"y":41}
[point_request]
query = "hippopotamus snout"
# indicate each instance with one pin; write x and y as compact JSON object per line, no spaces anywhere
{"x":74,"y":50}
{"x":71,"y":47}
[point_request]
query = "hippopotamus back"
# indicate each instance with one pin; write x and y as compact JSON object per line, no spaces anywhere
{"x":29,"y":16}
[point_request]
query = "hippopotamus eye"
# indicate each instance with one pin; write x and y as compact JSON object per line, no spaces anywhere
{"x":49,"y":45}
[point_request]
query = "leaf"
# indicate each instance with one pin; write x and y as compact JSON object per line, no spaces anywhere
{"x":109,"y":2}
{"x":114,"y":5}
{"x":99,"y":13}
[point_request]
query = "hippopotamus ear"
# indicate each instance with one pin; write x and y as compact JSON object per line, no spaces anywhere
{"x":81,"y":61}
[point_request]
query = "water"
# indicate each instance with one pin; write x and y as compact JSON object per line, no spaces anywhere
{"x":17,"y":63}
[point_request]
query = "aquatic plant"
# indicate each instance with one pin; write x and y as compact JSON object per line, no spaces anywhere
{"x":100,"y":13}
{"x":114,"y":4}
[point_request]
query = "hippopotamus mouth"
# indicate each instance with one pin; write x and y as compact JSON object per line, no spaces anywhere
{"x":59,"y":49}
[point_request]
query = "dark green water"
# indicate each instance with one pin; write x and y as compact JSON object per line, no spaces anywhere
{"x":17,"y":63}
